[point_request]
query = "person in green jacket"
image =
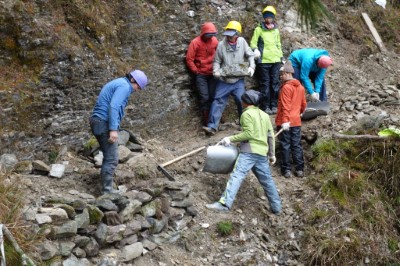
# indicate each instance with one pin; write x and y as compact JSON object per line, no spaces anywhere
{"x":266,"y":44}
{"x":257,"y":146}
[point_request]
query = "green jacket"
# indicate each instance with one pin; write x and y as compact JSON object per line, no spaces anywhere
{"x":268,"y":42}
{"x":257,"y":135}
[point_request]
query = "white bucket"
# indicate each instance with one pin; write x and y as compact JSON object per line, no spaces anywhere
{"x":220,"y":159}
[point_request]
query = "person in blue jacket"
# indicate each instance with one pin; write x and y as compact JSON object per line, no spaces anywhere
{"x":106,"y":118}
{"x":310,"y":66}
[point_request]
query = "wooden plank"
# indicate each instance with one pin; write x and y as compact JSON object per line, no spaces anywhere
{"x":374,"y":32}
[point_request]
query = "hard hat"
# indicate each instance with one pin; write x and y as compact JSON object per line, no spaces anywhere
{"x":270,"y":9}
{"x":234,"y":25}
{"x":251,"y":97}
{"x":324,"y":61}
{"x":140,"y":78}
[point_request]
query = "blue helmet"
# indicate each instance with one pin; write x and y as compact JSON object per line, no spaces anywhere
{"x":140,"y":78}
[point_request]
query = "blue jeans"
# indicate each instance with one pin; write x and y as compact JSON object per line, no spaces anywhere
{"x":312,"y":76}
{"x":268,"y":74}
{"x":260,"y":167}
{"x":206,"y":89}
{"x":222,"y":93}
{"x":290,"y":142}
{"x":110,"y":152}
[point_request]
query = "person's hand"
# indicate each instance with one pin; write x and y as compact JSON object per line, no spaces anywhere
{"x":286,"y":126}
{"x":217,"y":74}
{"x":251,"y":71}
{"x":225,"y":141}
{"x":113,"y":136}
{"x":257,"y":54}
{"x":315,"y":97}
{"x":272,"y":160}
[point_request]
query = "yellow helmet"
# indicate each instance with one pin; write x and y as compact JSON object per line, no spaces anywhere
{"x":234,"y":25}
{"x":269,"y":9}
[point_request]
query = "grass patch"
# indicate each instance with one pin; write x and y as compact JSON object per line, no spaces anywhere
{"x":225,"y":228}
{"x":360,"y":190}
{"x":11,"y":204}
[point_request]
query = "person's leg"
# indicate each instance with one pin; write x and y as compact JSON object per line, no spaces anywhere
{"x":243,"y":164}
{"x":262,"y":171}
{"x":284,"y":144}
{"x":275,"y":85}
{"x":202,"y":88}
{"x":297,"y":148}
{"x":264,"y":85}
{"x":218,"y":105}
{"x":237,"y":93}
{"x":110,"y":153}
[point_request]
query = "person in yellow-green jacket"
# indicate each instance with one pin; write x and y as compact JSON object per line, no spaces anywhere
{"x":266,"y":44}
{"x":257,"y":146}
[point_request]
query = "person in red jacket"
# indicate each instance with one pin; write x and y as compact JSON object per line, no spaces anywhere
{"x":199,"y":59}
{"x":291,"y":104}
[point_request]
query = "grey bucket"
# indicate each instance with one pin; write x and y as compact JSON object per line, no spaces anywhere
{"x":220,"y":159}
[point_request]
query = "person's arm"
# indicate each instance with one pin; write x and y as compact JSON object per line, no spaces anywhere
{"x":303,"y":103}
{"x":217,"y":59}
{"x":270,"y":139}
{"x":286,"y":99}
{"x":305,"y":69}
{"x":247,"y":129}
{"x":190,"y":57}
{"x":120,"y":95}
{"x":278,"y":43}
{"x":249,"y":54}
{"x":254,"y":39}
{"x":319,"y":79}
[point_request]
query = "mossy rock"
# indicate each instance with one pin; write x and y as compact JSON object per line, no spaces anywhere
{"x":23,"y":167}
{"x":95,"y":214}
{"x":90,"y":146}
{"x":69,"y":209}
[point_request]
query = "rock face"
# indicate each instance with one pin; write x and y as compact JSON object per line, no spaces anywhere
{"x":73,"y":49}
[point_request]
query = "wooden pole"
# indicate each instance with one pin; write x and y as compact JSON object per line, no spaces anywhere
{"x":374,"y":32}
{"x":25,"y":259}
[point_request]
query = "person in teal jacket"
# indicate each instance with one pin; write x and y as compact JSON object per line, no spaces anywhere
{"x":257,"y":146}
{"x":266,"y":44}
{"x":310,"y":66}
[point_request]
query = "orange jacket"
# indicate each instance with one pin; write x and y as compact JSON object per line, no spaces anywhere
{"x":291,"y":103}
{"x":200,"y":54}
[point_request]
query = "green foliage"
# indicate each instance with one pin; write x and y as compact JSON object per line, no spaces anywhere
{"x":311,"y":11}
{"x":11,"y":204}
{"x":225,"y":228}
{"x":316,"y":215}
{"x":53,"y":155}
{"x":393,"y":245}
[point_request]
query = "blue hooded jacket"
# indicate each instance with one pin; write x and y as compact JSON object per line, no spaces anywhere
{"x":112,"y":100}
{"x":306,"y":61}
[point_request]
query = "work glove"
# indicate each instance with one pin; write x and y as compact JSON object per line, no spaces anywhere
{"x":217,"y":74}
{"x":257,"y":54}
{"x":315,"y":97}
{"x":272,"y":160}
{"x":251,"y":71}
{"x":225,"y":141}
{"x":286,"y":126}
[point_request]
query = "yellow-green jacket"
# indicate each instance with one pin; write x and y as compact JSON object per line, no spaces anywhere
{"x":257,"y":135}
{"x":268,"y":42}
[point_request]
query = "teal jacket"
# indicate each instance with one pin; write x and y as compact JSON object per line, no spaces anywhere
{"x":306,"y":61}
{"x":268,"y":42}
{"x":258,"y":134}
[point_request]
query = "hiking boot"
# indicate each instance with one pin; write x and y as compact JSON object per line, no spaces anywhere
{"x":287,"y":174}
{"x":209,"y":131}
{"x":299,"y":173}
{"x":268,"y":111}
{"x":216,"y":206}
{"x":274,"y":110}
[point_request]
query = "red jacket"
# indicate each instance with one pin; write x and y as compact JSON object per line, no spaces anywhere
{"x":201,"y":51}
{"x":291,"y":103}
